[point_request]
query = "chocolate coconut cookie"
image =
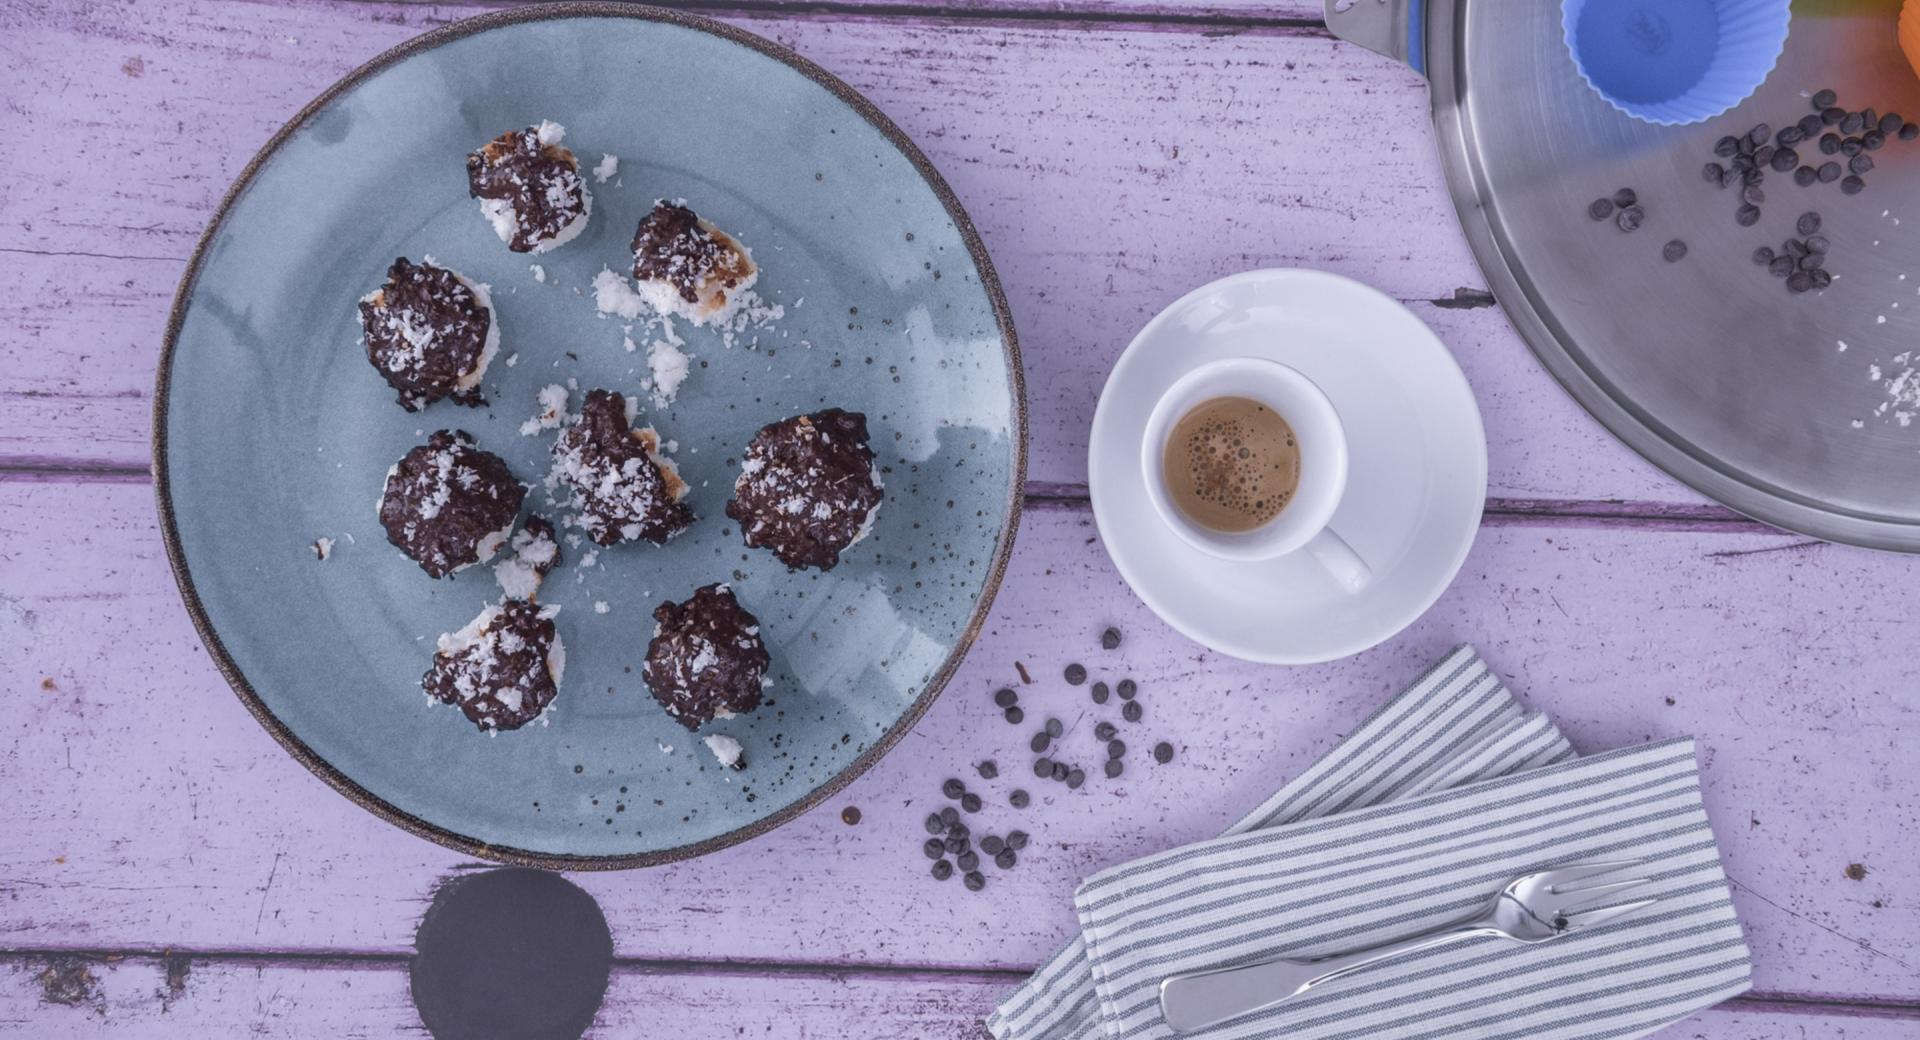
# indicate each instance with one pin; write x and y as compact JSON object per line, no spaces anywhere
{"x":448,"y":504}
{"x":687,"y":268}
{"x":503,"y":669}
{"x":625,"y":488}
{"x":706,"y":660}
{"x":530,"y":188}
{"x":808,"y":488}
{"x":430,"y":333}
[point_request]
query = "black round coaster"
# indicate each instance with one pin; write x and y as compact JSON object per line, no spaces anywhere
{"x":511,"y":954}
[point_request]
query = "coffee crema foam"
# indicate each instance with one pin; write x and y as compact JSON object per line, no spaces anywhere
{"x":1231,"y":464}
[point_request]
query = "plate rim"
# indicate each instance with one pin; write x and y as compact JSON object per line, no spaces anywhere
{"x":380,"y":807}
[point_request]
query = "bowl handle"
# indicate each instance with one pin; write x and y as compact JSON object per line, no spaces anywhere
{"x":1395,"y":28}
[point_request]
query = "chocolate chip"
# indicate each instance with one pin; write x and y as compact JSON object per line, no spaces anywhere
{"x":1817,"y":244}
{"x":1105,"y":731}
{"x":1100,"y":693}
{"x":1714,"y":173}
{"x":1019,"y":799}
{"x":1747,"y":215}
{"x":1115,"y":767}
{"x":992,"y":844}
{"x":1630,"y":218}
{"x":1832,"y":115}
{"x":934,"y":848}
{"x":949,"y":816}
{"x":1726,"y":148}
{"x":970,"y":802}
{"x":1054,"y":728}
{"x":942,"y":870}
{"x":850,"y":815}
{"x":1039,"y":742}
{"x":1795,"y":248}
{"x":1005,"y":698}
{"x":1015,"y":715}
{"x":1785,"y":159}
{"x":1763,"y":155}
{"x":1813,"y":261}
{"x":1824,"y":98}
{"x":1829,"y":172}
{"x":1060,"y":771}
{"x":1043,"y":767}
{"x":1781,"y":266}
{"x":1110,"y":639}
{"x":1800,"y":281}
{"x":988,"y":770}
{"x":1790,"y":136}
{"x":1127,"y":689}
{"x":1821,"y":278}
{"x":953,"y":788}
{"x":1808,"y":223}
{"x":934,"y":826}
{"x":1132,"y":711}
{"x":1872,"y":140}
{"x":1116,"y":748}
{"x":1163,"y":752}
{"x":968,"y":860}
{"x":1753,"y":176}
{"x":1674,"y":251}
{"x":1016,"y":839}
{"x":1006,"y":859}
{"x":1805,"y":175}
{"x":1763,"y":255}
{"x":1909,"y":131}
{"x":955,"y":844}
{"x":1860,"y":164}
{"x":975,"y":881}
{"x":1889,"y":124}
{"x":1600,"y":209}
{"x":1075,"y":778}
{"x":1625,"y":197}
{"x":1076,"y":674}
{"x":1759,"y":133}
{"x":1829,"y":144}
{"x":1753,"y":195}
{"x":1809,"y":125}
{"x":1852,"y":146}
{"x":958,"y":832}
{"x":1852,"y":186}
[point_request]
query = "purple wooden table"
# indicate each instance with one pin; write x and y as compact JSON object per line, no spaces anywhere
{"x":165,"y":870}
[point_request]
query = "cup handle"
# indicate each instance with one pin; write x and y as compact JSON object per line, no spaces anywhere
{"x":1339,"y":560}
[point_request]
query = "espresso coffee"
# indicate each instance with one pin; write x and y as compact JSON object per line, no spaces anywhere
{"x":1231,"y":464}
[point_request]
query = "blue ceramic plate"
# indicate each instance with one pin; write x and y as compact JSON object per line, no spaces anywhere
{"x":272,"y":430}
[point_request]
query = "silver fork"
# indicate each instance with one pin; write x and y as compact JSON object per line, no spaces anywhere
{"x":1531,"y":908}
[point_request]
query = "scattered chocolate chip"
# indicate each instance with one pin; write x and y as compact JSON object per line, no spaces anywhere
{"x":934,"y":824}
{"x":1795,"y":248}
{"x":1808,"y":223}
{"x":1763,"y":155}
{"x":1832,"y":115}
{"x":1625,"y":198}
{"x":1600,"y":209}
{"x":1060,"y":771}
{"x":975,"y":881}
{"x":1753,"y":195}
{"x":1829,"y":144}
{"x":1763,"y":255}
{"x":1714,"y":173}
{"x":1132,"y":711}
{"x":1105,"y":731}
{"x":1163,"y":752}
{"x":1127,"y":689}
{"x":1805,"y":175}
{"x":992,"y":844}
{"x":953,"y":788}
{"x":1005,"y":859}
{"x":1674,"y":251}
{"x":1821,"y":278}
{"x":1015,"y":715}
{"x":1630,"y":218}
{"x":1800,"y":281}
{"x":1114,"y":768}
{"x":1909,"y":131}
{"x":1054,"y":728}
{"x":1852,"y":146}
{"x":1783,"y":160}
{"x":934,"y":848}
{"x":1818,"y":244}
{"x":1890,"y":123}
{"x":850,"y":815}
{"x":1790,"y":136}
{"x":955,"y":844}
{"x":1043,"y":767}
{"x":1747,"y":215}
{"x":970,"y":802}
{"x":1110,"y":639}
{"x":1860,"y":164}
{"x":968,"y":860}
{"x":1781,"y":266}
{"x":1100,"y":693}
{"x":987,"y":770}
{"x":1039,"y":742}
{"x":942,"y":870}
{"x":1829,"y":172}
{"x":949,"y":816}
{"x":1016,"y":839}
{"x":1872,"y":140}
{"x":1005,"y":698}
{"x":1019,"y":799}
{"x":1076,"y":674}
{"x":1824,"y":99}
{"x":1726,"y":148}
{"x":1808,"y":125}
{"x":1852,"y":186}
{"x":1813,"y":261}
{"x":1075,"y":778}
{"x":1116,"y":748}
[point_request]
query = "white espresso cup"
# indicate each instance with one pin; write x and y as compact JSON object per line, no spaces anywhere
{"x":1302,"y":524}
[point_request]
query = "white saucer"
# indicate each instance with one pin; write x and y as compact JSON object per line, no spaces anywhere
{"x":1415,"y":490}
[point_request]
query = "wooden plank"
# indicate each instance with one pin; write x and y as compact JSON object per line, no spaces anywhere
{"x":147,"y":808}
{"x":152,"y":997}
{"x":1168,"y":158}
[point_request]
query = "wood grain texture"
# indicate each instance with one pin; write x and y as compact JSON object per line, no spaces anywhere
{"x":150,"y":810}
{"x":152,"y":998}
{"x":1110,"y":169}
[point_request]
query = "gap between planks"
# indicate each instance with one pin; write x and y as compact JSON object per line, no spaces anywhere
{"x":1786,"y":1003}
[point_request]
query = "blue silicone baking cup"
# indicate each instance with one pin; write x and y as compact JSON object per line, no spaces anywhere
{"x":1674,"y":62}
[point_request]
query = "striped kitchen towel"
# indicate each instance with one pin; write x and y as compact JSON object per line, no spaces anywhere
{"x":1414,"y":820}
